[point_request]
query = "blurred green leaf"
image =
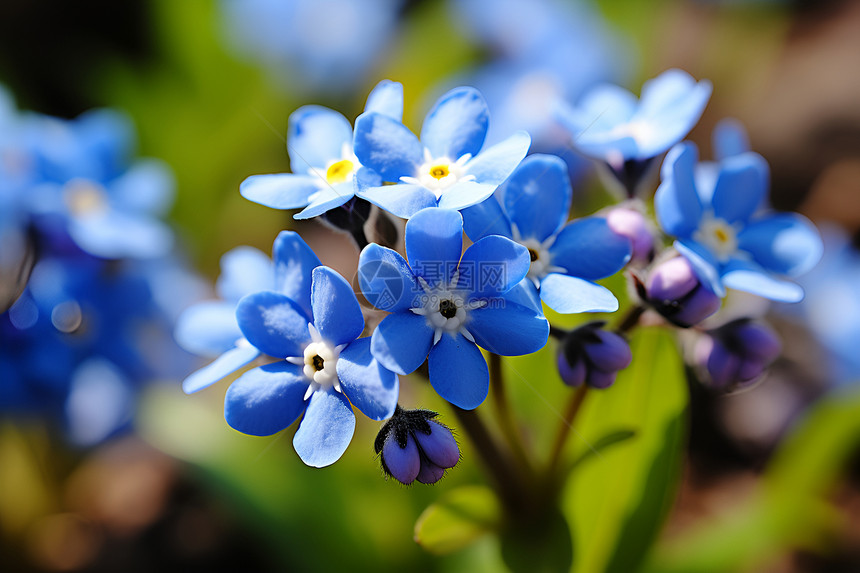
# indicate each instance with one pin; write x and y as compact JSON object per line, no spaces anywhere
{"x":790,"y":510}
{"x":618,"y":501}
{"x":542,"y":545}
{"x":606,"y":441}
{"x":459,"y":518}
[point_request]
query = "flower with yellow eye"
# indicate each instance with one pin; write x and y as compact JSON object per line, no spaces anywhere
{"x":326,"y":172}
{"x":713,"y":211}
{"x":447,"y":168}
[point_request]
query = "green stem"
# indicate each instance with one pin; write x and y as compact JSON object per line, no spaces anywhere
{"x":504,"y":415}
{"x":630,"y":319}
{"x":570,"y":412}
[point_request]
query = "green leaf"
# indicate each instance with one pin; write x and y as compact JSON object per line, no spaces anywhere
{"x":606,"y":441}
{"x":618,"y":501}
{"x":459,"y":518}
{"x":791,"y":508}
{"x":544,"y":544}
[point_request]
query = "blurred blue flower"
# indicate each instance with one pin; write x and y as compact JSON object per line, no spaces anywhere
{"x":531,"y":208}
{"x":326,"y":172}
{"x":447,"y":167}
{"x":311,"y":44}
{"x":444,"y":306}
{"x":311,"y":326}
{"x":735,"y":355}
{"x":713,"y":210}
{"x":80,"y":342}
{"x":210,"y":328}
{"x":543,"y":51}
{"x":610,"y":124}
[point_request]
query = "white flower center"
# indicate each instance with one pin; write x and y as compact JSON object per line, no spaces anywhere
{"x":445,"y":308}
{"x":319,"y":363}
{"x":440,"y":173}
{"x":539,"y":257}
{"x":718,"y":235}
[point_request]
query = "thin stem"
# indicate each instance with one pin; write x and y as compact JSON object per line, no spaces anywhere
{"x":504,"y":415}
{"x":573,"y":407}
{"x":631,"y":319}
{"x":359,"y":237}
{"x":498,"y":463}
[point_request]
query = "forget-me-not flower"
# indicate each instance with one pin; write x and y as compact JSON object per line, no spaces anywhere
{"x":610,"y":124}
{"x":447,"y":167}
{"x":323,"y":368}
{"x":713,"y":211}
{"x":444,"y":306}
{"x":531,"y":208}
{"x":326,"y":172}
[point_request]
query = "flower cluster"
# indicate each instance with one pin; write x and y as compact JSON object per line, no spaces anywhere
{"x":447,"y":307}
{"x":87,"y":287}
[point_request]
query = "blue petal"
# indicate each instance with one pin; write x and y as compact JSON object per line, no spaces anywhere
{"x":387,"y":99}
{"x":465,"y":194}
{"x":749,"y":277}
{"x":439,"y":445}
{"x":507,"y":328}
{"x":457,"y":124}
{"x":537,"y":196}
{"x":588,"y":248}
{"x":401,"y":342}
{"x":704,"y":265}
{"x":114,"y":234}
{"x":787,"y":243}
{"x":601,"y":109}
{"x":294,"y":265}
{"x":729,"y":138}
{"x":458,"y":372}
{"x":326,"y":429}
{"x":147,"y":186}
{"x":495,"y":164}
{"x":315,"y":137}
{"x":266,"y":399}
{"x":244,"y":270}
{"x":434,"y":243}
{"x":741,"y":187}
{"x":280,"y":190}
{"x":386,"y":280}
{"x":208,"y":328}
{"x":677,"y":202}
{"x":402,"y":200}
{"x":566,"y":294}
{"x":337,"y":315}
{"x":327,"y":197}
{"x":222,"y":366}
{"x":387,"y":146}
{"x":370,"y":387}
{"x":486,"y":218}
{"x":675,"y":92}
{"x":492,"y":266}
{"x":273,"y":323}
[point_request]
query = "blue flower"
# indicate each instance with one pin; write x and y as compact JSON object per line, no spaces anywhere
{"x":610,"y":124}
{"x":326,"y":172}
{"x":531,"y":208}
{"x":444,"y":306}
{"x":592,"y":355}
{"x":713,"y":210}
{"x":447,"y":167}
{"x":87,"y":187}
{"x":322,"y":367}
{"x":210,"y":328}
{"x":311,"y":44}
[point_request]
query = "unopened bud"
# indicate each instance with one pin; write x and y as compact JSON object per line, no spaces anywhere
{"x":674,"y":290}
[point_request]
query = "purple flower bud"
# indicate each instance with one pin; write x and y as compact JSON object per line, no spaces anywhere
{"x":632,"y":224}
{"x":735,"y":355}
{"x":416,"y":447}
{"x":674,"y":290}
{"x":592,"y":355}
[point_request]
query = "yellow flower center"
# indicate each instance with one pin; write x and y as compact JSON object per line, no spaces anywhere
{"x":339,"y":171}
{"x":85,"y":197}
{"x":439,"y":171}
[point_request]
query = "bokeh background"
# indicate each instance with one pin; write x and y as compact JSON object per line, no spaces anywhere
{"x":209,"y":87}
